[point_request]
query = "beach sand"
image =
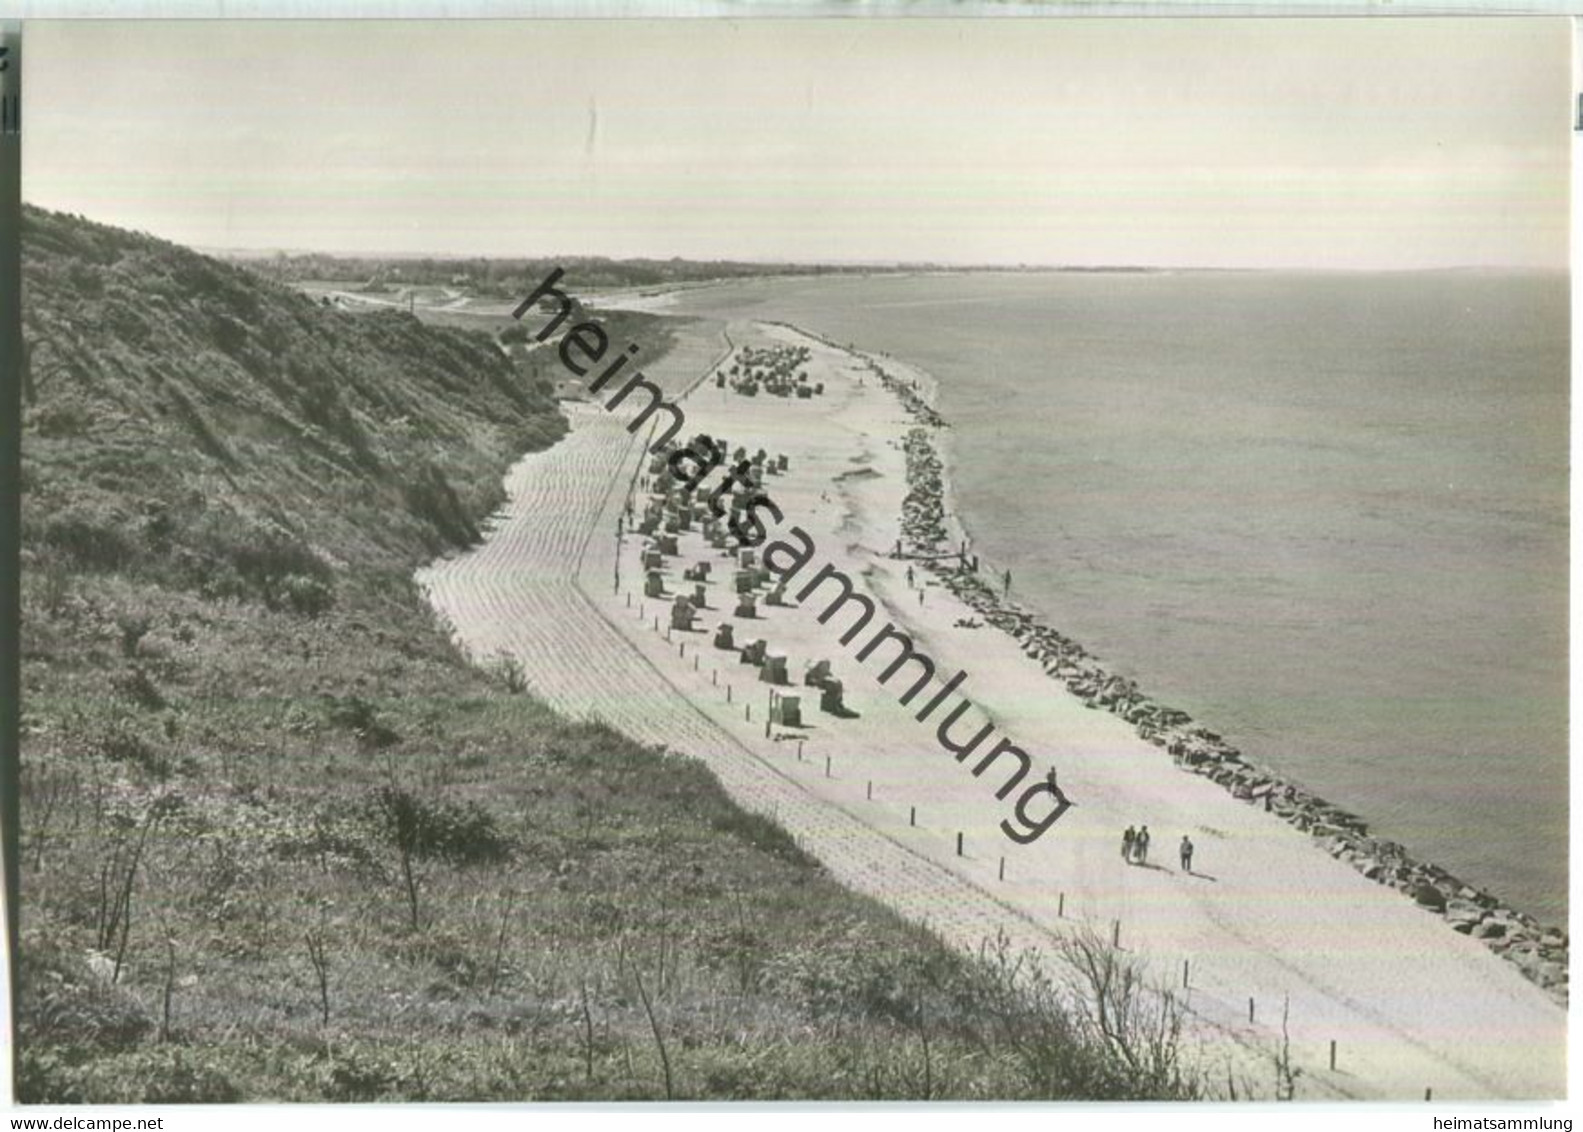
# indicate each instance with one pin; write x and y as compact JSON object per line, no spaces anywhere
{"x":1268,"y":916}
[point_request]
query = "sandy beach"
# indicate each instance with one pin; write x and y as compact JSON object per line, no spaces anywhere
{"x":1267,"y":921}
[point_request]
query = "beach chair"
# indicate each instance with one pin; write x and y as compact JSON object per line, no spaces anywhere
{"x":773,"y":670}
{"x":786,"y":711}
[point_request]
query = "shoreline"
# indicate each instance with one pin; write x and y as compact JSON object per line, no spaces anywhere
{"x":1539,"y":951}
{"x":873,"y":797}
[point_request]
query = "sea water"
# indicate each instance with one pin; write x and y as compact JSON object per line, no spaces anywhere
{"x":1326,"y":514}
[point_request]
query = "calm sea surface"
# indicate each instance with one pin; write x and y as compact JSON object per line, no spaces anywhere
{"x":1325,"y":514}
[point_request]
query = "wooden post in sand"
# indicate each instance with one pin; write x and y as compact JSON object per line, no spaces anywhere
{"x":766,"y":729}
{"x":747,"y":712}
{"x":912,"y":815}
{"x":1250,"y":1008}
{"x":1060,"y":907}
{"x":1332,"y":1055}
{"x":959,"y":843}
{"x":1184,"y":974}
{"x":1429,"y":1094}
{"x":1115,"y":933}
{"x":827,"y":766}
{"x":799,"y":750}
{"x":728,"y":693}
{"x":1003,"y":868}
{"x":871,"y":790}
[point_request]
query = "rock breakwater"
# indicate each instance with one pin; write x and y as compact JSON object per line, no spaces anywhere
{"x":1540,"y":952}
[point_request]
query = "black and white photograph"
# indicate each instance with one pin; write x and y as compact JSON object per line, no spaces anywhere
{"x":640,"y":561}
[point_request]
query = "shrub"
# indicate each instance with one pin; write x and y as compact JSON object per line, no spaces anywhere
{"x":120,"y":745}
{"x":63,"y":420}
{"x":92,"y":541}
{"x":62,"y":1001}
{"x":177,"y":1078}
{"x":54,"y":584}
{"x":760,"y":832}
{"x":353,"y":1075}
{"x":431,"y":498}
{"x":462,"y":833}
{"x":270,"y":554}
{"x":136,"y":685}
{"x":45,"y":1076}
{"x":361,"y":718}
{"x":154,"y":1075}
{"x":306,"y":597}
{"x":133,"y":630}
{"x":202,"y":431}
{"x":509,"y":669}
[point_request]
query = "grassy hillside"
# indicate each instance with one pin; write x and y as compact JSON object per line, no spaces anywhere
{"x":280,"y":842}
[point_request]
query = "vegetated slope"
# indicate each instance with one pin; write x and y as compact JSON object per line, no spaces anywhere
{"x":280,"y":841}
{"x":181,"y":405}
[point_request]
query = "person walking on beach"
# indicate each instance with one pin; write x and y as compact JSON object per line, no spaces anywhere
{"x":1187,"y":854}
{"x":1128,"y":839}
{"x":1140,"y":846}
{"x":1006,"y":585}
{"x":909,"y":576}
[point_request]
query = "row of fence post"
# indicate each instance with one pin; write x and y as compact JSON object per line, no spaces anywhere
{"x":912,"y":821}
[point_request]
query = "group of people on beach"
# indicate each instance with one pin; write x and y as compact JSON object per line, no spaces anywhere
{"x":1135,"y":848}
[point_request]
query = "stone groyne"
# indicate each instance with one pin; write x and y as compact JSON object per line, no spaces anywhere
{"x":1538,"y":951}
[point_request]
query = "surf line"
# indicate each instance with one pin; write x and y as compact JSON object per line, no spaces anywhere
{"x":585,"y":345}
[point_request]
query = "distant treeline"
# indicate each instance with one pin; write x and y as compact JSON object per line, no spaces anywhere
{"x":505,"y":278}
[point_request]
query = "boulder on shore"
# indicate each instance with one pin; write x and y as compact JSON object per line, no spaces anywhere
{"x":1428,"y":896}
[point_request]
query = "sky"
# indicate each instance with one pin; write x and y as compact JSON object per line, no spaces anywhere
{"x":1341,"y":143}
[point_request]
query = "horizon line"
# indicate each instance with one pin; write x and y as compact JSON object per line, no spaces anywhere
{"x":224,"y":250}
